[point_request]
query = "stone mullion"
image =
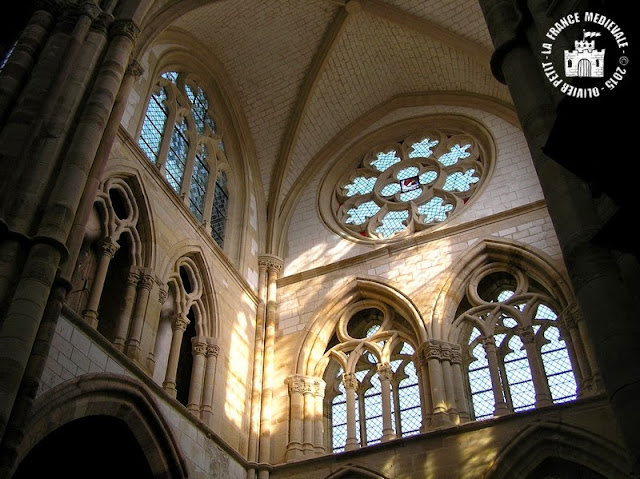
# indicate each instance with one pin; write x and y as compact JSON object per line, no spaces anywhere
{"x":169,"y":125}
{"x":385,"y":374}
{"x":137,"y":322}
{"x":124,"y":318}
{"x":351,"y":386}
{"x":196,"y":384}
{"x":179,"y":326}
{"x":210,"y":194}
{"x":296,"y":417}
{"x":187,"y":176}
{"x":209,"y":382}
{"x":108,"y":250}
{"x":538,"y":376}
{"x":489,"y":345}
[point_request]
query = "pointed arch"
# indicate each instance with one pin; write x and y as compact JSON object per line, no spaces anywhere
{"x":111,"y":395}
{"x":494,"y":250}
{"x":128,"y":181}
{"x":190,"y":256}
{"x":355,"y":471}
{"x":367,"y":290}
{"x":539,"y":442}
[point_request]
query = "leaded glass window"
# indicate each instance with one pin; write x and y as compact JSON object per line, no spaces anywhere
{"x":371,"y":345}
{"x":194,"y":137}
{"x":511,"y":318}
{"x":405,"y":187}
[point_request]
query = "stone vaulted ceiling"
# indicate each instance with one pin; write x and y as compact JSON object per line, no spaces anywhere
{"x":305,"y":70}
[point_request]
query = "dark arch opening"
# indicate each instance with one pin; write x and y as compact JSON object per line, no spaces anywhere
{"x":558,"y":468}
{"x":185,"y":362}
{"x":114,"y":291}
{"x":94,"y":446}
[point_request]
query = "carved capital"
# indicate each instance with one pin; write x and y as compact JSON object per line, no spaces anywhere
{"x":296,"y":385}
{"x":456,"y":356}
{"x":350,"y":381}
{"x":213,"y":350}
{"x":101,"y":23}
{"x":146,"y":282}
{"x":109,"y":247}
{"x":385,"y":372}
{"x":271,"y":262}
{"x":135,"y":69}
{"x":132,"y":278}
{"x":318,"y":386}
{"x":124,"y":28}
{"x":432,"y":350}
{"x":526,"y":334}
{"x":181,"y":323}
{"x":163,"y":294}
{"x":198,"y":348}
{"x":489,"y":344}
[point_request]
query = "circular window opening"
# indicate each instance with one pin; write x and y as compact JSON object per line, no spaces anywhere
{"x":403,"y":187}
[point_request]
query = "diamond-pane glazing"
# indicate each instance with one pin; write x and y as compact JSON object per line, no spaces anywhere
{"x":423,"y":148}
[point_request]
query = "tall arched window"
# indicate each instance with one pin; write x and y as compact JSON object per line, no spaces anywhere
{"x":372,"y":386}
{"x":179,"y":135}
{"x":516,"y":358}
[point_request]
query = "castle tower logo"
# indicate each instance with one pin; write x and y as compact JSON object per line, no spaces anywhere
{"x":584,"y":72}
{"x":584,"y":60}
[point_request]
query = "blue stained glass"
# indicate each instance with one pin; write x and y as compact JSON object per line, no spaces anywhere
{"x":359,"y":215}
{"x":360,"y":186}
{"x":386,"y":160}
{"x":153,"y":126}
{"x":460,"y":181}
{"x":393,"y":222}
{"x":434,"y":210}
{"x":428,"y":177}
{"x":407,"y":172}
{"x":423,"y":148}
{"x":390,"y":189}
{"x":456,"y":153}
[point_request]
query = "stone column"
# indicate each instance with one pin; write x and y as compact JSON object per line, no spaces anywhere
{"x":135,"y":336}
{"x":258,"y":364}
{"x":318,"y":416}
{"x":458,"y":384}
{"x":351,"y":386}
{"x":385,"y":374}
{"x":424,"y":385}
{"x":274,"y":265}
{"x":433,"y":354}
{"x":489,"y":345}
{"x":538,"y":376}
{"x":209,"y":381}
{"x":588,"y":381}
{"x":600,"y":288}
{"x":196,"y":385}
{"x":23,"y":57}
{"x":179,"y":327}
{"x":309,"y":411}
{"x":124,"y":318}
{"x":296,"y":418}
{"x":108,"y":250}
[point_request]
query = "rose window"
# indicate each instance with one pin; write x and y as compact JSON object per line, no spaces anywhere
{"x":407,"y":187}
